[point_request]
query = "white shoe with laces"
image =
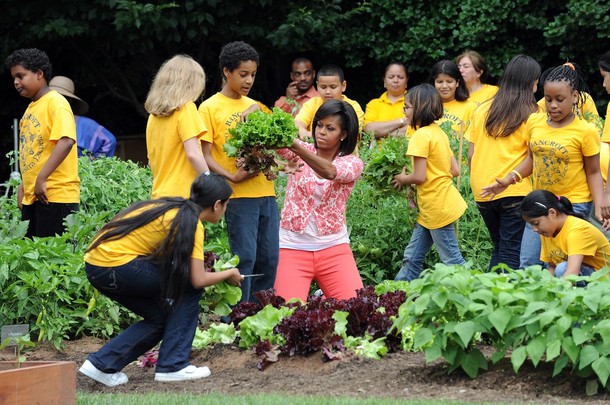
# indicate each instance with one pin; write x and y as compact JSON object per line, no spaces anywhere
{"x":109,"y":379}
{"x":188,"y":373}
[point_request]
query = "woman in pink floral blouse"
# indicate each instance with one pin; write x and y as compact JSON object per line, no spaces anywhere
{"x":314,"y":243}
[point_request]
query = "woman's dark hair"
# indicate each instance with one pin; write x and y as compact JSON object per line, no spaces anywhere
{"x":514,"y":101}
{"x":538,"y":202}
{"x":427,"y":105}
{"x":348,"y":120}
{"x":604,"y":61}
{"x":32,"y":59}
{"x":396,"y":63}
{"x":234,"y":53}
{"x":478,"y":63}
{"x":173,"y":254}
{"x":570,"y":73}
{"x":450,"y":69}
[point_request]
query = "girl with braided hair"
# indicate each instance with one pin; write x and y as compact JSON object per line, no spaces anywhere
{"x":149,"y":258}
{"x":565,"y":152}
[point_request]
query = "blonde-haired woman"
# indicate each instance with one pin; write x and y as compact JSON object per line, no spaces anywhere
{"x":175,"y":127}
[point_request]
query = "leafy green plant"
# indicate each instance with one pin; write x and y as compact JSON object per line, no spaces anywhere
{"x":386,"y":160}
{"x":251,"y":140}
{"x":22,"y":343}
{"x":527,"y":314}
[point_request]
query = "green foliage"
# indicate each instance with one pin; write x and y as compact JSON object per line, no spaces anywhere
{"x":260,"y":327}
{"x":527,"y":314}
{"x":218,"y":298}
{"x":22,"y":343}
{"x":275,"y":130}
{"x":215,"y":333}
{"x":386,"y":161}
{"x":43,"y":280}
{"x":252,"y":141}
{"x":111,"y":184}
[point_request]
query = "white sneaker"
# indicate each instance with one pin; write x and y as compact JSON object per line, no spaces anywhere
{"x":188,"y":373}
{"x":111,"y":380}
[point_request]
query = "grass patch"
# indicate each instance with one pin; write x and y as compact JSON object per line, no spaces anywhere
{"x":262,"y":399}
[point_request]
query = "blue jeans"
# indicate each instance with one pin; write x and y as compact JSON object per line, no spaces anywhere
{"x":561,"y":268}
{"x":136,"y":286}
{"x":505,"y":225}
{"x":254,"y":236}
{"x":421,"y":241}
{"x":530,"y":244}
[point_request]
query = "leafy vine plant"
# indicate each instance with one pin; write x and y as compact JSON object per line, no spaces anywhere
{"x":22,"y":344}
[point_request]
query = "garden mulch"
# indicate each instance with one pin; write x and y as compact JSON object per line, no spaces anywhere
{"x":398,"y":375}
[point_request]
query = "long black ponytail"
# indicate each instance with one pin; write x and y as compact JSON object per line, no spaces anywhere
{"x":174,"y":253}
{"x":538,"y":202}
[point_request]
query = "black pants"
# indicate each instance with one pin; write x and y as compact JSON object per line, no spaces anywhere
{"x":46,"y":220}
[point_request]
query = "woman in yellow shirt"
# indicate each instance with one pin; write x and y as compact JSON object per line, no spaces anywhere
{"x":149,"y":258}
{"x":474,"y":71}
{"x":383,"y":116}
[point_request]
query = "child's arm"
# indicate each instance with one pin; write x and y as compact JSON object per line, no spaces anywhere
{"x":606,"y":203}
{"x":195,"y":156}
{"x":470,"y":153}
{"x":417,"y":177}
{"x":524,"y":169}
{"x":455,"y":168}
{"x":551,"y":268}
{"x":60,"y":152}
{"x":574,"y":264}
{"x":303,"y":132}
{"x":595,"y":182}
{"x":249,"y":110}
{"x":382,"y":129}
{"x":237,"y":177}
{"x":201,"y":278}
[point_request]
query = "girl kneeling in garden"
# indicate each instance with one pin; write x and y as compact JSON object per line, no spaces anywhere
{"x":439,"y":202}
{"x":570,"y":244}
{"x":149,"y":258}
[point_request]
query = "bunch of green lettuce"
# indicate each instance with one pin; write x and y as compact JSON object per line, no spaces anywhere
{"x":252,"y":141}
{"x":386,"y":161}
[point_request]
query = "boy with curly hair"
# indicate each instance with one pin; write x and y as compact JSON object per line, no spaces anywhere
{"x":48,"y":160}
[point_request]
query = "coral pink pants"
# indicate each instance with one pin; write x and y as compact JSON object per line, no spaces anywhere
{"x":334,"y":269}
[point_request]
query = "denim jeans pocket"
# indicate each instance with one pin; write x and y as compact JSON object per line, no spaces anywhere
{"x":106,"y":279}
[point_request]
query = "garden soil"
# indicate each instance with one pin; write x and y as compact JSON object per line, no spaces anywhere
{"x":398,"y":375}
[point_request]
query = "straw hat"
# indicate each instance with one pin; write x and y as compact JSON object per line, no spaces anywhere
{"x":65,"y":86}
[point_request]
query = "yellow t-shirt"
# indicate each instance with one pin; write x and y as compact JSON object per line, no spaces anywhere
{"x":588,"y":112}
{"x":606,"y":132}
{"x":459,"y":114}
{"x":483,"y":94}
{"x":577,"y":237}
{"x":308,"y":111}
{"x":559,"y":156}
{"x":439,"y":202}
{"x":172,"y":172}
{"x":140,"y":242}
{"x":45,"y":122}
{"x":495,"y":157}
{"x":220,"y":113}
{"x":382,"y":109}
